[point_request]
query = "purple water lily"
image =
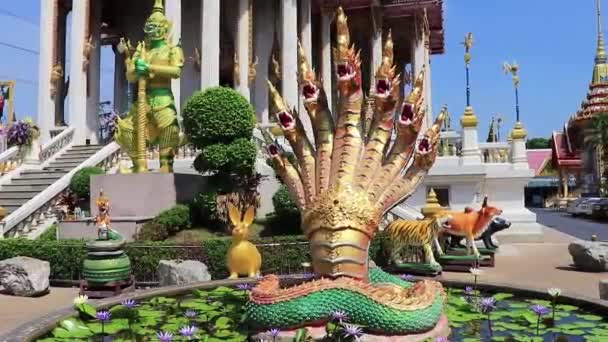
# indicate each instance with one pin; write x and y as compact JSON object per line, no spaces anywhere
{"x":407,"y":277}
{"x":103,"y":316}
{"x":187,"y":331}
{"x":351,"y":330}
{"x":128,"y":303}
{"x":487,"y":305}
{"x":338,"y":316}
{"x":539,"y":310}
{"x":468,"y":290}
{"x":441,"y":339}
{"x":244,"y":287}
{"x":274,"y":332}
{"x":164,"y":336}
{"x":190,"y":314}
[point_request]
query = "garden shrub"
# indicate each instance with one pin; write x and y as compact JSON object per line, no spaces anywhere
{"x":80,"y":184}
{"x":218,"y":115}
{"x":165,"y":224}
{"x":50,"y":234}
{"x":279,"y":255}
{"x":219,"y":122}
{"x":286,"y":218}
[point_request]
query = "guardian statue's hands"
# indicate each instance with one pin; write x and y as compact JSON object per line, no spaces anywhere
{"x":141,"y":67}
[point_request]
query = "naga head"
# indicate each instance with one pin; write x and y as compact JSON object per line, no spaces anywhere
{"x":409,"y":119}
{"x":285,"y":117}
{"x":310,"y":88}
{"x":274,"y":150}
{"x":386,"y":88}
{"x":426,"y":150}
{"x":157,"y":26}
{"x":348,"y":63}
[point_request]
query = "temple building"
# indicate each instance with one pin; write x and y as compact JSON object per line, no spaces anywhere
{"x":577,"y":150}
{"x":236,"y":43}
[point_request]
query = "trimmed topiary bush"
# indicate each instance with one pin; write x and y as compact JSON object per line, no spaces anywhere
{"x":235,"y":157}
{"x":218,"y":115}
{"x":165,"y":224}
{"x":80,"y":184}
{"x":286,"y":219}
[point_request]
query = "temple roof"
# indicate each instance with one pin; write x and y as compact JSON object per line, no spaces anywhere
{"x":596,"y":101}
{"x":402,"y":9}
{"x":538,"y":159}
{"x":562,"y":154}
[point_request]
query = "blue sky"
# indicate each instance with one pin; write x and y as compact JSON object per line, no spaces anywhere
{"x":553,"y":41}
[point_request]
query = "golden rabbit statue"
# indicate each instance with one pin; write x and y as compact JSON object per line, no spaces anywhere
{"x":243,"y":257}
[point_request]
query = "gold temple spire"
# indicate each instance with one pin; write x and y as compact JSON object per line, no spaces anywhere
{"x":600,"y":53}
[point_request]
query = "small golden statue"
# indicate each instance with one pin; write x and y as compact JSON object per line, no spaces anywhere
{"x":153,"y":119}
{"x":243,"y":257}
{"x":102,"y":220}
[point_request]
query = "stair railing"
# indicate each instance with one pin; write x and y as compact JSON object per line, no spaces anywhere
{"x":57,"y":144}
{"x":38,"y":214}
{"x":10,"y":160}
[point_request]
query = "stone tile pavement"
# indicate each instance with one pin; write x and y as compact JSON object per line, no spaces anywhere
{"x":538,"y":265}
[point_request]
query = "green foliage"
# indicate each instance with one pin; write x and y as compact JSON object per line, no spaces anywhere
{"x":167,"y":223}
{"x":286,"y":218}
{"x":237,"y":157}
{"x":80,"y":184}
{"x":218,"y":115}
{"x":538,"y":143}
{"x":50,"y":234}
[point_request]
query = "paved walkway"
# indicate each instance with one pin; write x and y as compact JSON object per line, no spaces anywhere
{"x":538,"y":265}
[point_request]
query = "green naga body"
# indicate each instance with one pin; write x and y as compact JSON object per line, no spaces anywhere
{"x":157,"y":62}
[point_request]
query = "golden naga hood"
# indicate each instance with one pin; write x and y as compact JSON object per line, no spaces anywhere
{"x":350,"y":177}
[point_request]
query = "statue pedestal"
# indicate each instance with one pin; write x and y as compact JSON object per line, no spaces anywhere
{"x":145,"y":194}
{"x":106,"y":271}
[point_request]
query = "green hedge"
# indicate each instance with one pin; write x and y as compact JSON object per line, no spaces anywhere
{"x":279,"y":255}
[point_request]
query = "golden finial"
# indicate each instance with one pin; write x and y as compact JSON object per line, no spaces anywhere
{"x":468,"y":44}
{"x":432,"y":206}
{"x":512,"y":69}
{"x":600,"y":54}
{"x":158,"y":7}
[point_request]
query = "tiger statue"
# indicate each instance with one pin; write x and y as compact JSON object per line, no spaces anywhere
{"x":417,"y":233}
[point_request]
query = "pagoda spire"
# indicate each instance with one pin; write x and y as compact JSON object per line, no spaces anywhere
{"x":600,"y":53}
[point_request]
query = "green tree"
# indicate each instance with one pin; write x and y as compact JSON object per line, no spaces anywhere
{"x":220,"y":122}
{"x":538,"y":143}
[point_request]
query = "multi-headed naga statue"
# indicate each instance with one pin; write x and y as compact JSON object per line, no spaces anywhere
{"x":154,"y":63}
{"x":343,"y":185}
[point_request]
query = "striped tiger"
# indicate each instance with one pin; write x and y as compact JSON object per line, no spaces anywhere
{"x":419,"y":233}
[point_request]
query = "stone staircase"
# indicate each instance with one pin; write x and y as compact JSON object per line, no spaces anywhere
{"x":29,"y":183}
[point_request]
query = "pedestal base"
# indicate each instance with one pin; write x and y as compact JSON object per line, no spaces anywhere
{"x":460,"y":263}
{"x":105,"y":290}
{"x":442,"y":329}
{"x":484,"y":262}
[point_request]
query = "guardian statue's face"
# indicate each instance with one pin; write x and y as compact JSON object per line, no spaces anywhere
{"x":156,"y":27}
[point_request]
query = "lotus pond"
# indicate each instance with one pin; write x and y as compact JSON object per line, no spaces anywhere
{"x":216,"y":315}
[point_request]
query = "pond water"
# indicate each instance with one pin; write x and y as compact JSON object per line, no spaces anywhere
{"x":216,"y":316}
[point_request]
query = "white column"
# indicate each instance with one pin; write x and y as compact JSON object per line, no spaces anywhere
{"x":210,"y":43}
{"x":263,"y":22}
{"x":326,"y":66}
{"x":519,"y":157}
{"x":306,"y":41}
{"x":470,"y":147}
{"x":242,"y":47}
{"x":46,"y":106}
{"x":94,"y":76}
{"x":78,"y":80}
{"x":289,"y":47}
{"x":173,"y":12}
{"x":376,"y":45}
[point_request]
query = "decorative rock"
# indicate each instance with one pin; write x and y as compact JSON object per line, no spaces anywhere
{"x":589,"y":256}
{"x":24,"y":276}
{"x":180,"y":272}
{"x":603,"y":284}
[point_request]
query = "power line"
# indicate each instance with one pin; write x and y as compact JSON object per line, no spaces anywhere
{"x":13,"y":15}
{"x":34,"y":52}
